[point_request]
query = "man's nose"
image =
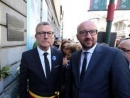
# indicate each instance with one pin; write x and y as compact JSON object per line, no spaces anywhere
{"x":46,"y":35}
{"x":88,"y":35}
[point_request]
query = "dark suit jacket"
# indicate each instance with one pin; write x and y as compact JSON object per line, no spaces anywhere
{"x":31,"y":69}
{"x":107,"y":75}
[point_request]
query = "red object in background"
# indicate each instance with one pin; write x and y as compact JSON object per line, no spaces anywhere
{"x":110,"y":15}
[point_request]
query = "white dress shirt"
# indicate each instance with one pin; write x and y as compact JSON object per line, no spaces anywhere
{"x":89,"y":55}
{"x":41,"y":52}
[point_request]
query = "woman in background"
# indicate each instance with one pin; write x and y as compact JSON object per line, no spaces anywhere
{"x":69,"y":49}
{"x":63,"y":47}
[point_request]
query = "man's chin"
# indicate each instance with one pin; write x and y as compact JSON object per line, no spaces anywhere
{"x":88,"y":46}
{"x":45,"y":46}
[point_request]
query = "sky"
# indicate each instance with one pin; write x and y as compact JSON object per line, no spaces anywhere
{"x":75,"y":11}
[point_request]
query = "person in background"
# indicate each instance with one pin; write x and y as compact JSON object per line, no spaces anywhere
{"x":119,"y":41}
{"x":104,"y":44}
{"x":41,"y":66}
{"x":65,"y":61}
{"x":59,"y":41}
{"x":35,"y":44}
{"x":69,"y":49}
{"x":56,"y":45}
{"x":97,"y":71}
{"x":125,"y":46}
{"x":63,"y":47}
{"x":64,"y":39}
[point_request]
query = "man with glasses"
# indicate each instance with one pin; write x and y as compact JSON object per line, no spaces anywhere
{"x":125,"y":46}
{"x":97,"y":71}
{"x":40,"y":68}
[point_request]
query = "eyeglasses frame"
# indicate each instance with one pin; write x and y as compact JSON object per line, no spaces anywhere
{"x":44,"y":33}
{"x":86,"y":32}
{"x":123,"y":49}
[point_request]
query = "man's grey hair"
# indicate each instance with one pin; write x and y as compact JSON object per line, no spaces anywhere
{"x":43,"y":23}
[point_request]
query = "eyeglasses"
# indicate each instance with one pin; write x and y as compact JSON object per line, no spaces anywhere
{"x":91,"y":32}
{"x":49,"y":33}
{"x":123,"y":49}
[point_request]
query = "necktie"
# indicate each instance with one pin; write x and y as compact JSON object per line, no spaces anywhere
{"x":47,"y":67}
{"x":83,"y":67}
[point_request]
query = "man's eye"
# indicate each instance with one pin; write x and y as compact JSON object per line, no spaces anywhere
{"x":92,"y":31}
{"x":41,"y":32}
{"x":82,"y":32}
{"x":49,"y":33}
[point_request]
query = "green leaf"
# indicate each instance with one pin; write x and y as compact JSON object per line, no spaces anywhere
{"x":5,"y":71}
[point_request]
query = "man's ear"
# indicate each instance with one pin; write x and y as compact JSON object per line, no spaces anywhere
{"x":35,"y":35}
{"x":77,"y":36}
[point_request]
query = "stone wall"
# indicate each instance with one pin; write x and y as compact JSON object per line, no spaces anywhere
{"x":11,"y":51}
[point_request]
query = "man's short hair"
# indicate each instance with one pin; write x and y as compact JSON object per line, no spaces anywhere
{"x":43,"y":23}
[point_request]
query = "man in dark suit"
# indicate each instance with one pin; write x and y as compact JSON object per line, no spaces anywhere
{"x":97,"y":71}
{"x":40,"y":68}
{"x":125,"y":46}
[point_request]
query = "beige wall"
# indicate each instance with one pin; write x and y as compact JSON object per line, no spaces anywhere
{"x":10,"y":51}
{"x":57,"y":8}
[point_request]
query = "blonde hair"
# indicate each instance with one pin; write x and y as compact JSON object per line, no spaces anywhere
{"x":73,"y":47}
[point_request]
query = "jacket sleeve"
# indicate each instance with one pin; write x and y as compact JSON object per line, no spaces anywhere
{"x":69,"y":81}
{"x":120,"y":77}
{"x":23,"y":76}
{"x":60,"y":72}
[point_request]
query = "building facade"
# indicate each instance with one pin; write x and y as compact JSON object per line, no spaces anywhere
{"x":120,"y":23}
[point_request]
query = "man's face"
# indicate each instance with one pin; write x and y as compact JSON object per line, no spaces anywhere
{"x":44,"y":36}
{"x":87,"y":41}
{"x":125,"y":46}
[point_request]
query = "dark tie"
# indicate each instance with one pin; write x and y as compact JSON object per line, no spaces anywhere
{"x":83,"y":67}
{"x":47,"y":65}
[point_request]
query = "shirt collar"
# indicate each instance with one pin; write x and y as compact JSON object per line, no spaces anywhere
{"x":41,"y":52}
{"x":91,"y":50}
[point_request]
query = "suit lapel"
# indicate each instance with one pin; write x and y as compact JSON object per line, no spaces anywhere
{"x":78,"y":65}
{"x":53,"y":61}
{"x":95,"y":57}
{"x":38,"y":64}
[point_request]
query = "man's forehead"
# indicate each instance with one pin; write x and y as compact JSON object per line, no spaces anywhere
{"x":125,"y":44}
{"x":45,"y":27}
{"x":87,"y":24}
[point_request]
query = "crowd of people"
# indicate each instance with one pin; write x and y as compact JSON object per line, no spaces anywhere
{"x":63,"y":68}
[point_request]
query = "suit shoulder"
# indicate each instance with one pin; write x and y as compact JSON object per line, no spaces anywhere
{"x":75,"y":54}
{"x":57,"y":50}
{"x":29,"y":51}
{"x":107,"y":48}
{"x":111,"y":50}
